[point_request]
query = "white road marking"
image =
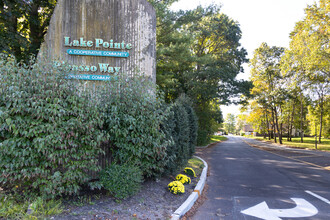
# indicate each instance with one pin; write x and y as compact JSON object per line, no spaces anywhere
{"x":319,"y":197}
{"x":303,"y":209}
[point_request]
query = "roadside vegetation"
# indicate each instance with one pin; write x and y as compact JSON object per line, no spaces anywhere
{"x":28,"y":209}
{"x":53,"y":131}
{"x":291,"y":86}
{"x":196,"y":164}
{"x":198,"y":53}
{"x":57,"y":135}
{"x":216,"y":138}
{"x":309,"y":142}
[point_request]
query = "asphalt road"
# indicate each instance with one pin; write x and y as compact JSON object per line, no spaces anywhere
{"x":246,"y":182}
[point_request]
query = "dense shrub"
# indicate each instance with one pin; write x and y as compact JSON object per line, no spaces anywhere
{"x":209,"y":118}
{"x":132,"y":113}
{"x":167,"y":126}
{"x":181,"y":134}
{"x":49,"y":129}
{"x":193,"y":123}
{"x":121,"y":181}
{"x":180,"y":127}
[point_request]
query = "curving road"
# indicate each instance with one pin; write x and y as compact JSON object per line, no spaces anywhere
{"x":265,"y":182}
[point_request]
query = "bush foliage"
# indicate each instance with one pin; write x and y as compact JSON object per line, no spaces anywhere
{"x":121,"y":181}
{"x":181,"y":127}
{"x":52,"y":128}
{"x":132,"y":113}
{"x":49,"y":130}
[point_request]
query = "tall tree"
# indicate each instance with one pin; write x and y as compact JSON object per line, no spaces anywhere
{"x":198,"y":53}
{"x":230,"y":123}
{"x":309,"y":53}
{"x":23,"y":26}
{"x":267,"y":81}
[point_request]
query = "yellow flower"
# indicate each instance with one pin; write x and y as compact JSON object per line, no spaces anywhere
{"x":183,"y":179}
{"x":176,"y":187}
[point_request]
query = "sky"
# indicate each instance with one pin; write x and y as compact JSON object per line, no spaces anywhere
{"x":269,"y":21}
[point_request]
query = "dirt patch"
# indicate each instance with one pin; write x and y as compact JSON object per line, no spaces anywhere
{"x":154,"y":201}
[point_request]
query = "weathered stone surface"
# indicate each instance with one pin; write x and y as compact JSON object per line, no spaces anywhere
{"x":129,"y":21}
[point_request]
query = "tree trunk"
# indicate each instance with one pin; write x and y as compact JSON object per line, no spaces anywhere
{"x":12,"y":27}
{"x":268,"y":128}
{"x":281,"y":132}
{"x":301,"y":119}
{"x":274,"y":125}
{"x":292,"y":116}
{"x":36,"y":34}
{"x":278,"y":128}
{"x":264,"y":127}
{"x":315,"y":135}
{"x":289,"y":116}
{"x":321,"y":119}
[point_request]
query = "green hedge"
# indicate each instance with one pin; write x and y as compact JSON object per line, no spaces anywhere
{"x":132,"y":112}
{"x":193,"y":123}
{"x":122,"y":181}
{"x":49,"y":130}
{"x":180,"y":127}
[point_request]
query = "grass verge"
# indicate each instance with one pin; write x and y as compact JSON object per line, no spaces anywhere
{"x":216,"y":138}
{"x":309,"y":142}
{"x":27,"y":210}
{"x":196,"y":164}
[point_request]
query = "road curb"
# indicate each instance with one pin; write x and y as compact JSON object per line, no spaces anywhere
{"x":190,"y":201}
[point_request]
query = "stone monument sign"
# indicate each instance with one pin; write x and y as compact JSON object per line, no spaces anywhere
{"x":103,"y":38}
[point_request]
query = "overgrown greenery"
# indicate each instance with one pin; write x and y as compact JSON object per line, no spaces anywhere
{"x":180,"y":127}
{"x":132,"y":114}
{"x":50,"y":131}
{"x":23,"y":25}
{"x":38,"y":208}
{"x":52,"y":128}
{"x":199,"y":54}
{"x":121,"y":181}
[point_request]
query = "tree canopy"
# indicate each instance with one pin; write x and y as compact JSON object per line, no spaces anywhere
{"x":291,"y":86}
{"x":23,"y":26}
{"x":198,"y":52}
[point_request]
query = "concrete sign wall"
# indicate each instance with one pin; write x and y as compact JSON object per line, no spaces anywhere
{"x":102,"y":38}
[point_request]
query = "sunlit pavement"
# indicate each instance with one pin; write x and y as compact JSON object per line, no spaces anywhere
{"x":246,"y":182}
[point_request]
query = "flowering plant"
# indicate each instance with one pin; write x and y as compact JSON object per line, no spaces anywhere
{"x":176,"y":187}
{"x":190,"y":171}
{"x":183,"y":179}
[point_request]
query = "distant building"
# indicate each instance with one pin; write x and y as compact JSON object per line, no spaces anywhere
{"x":248,"y":129}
